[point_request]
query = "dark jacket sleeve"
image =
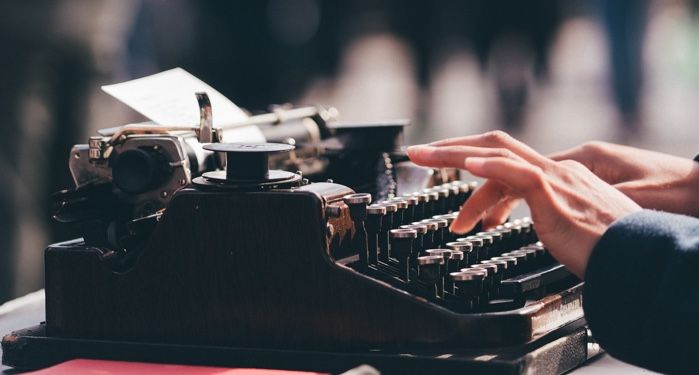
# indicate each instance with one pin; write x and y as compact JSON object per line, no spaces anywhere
{"x":641,"y":295}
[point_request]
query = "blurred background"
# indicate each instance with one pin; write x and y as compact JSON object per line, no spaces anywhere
{"x":554,"y":73}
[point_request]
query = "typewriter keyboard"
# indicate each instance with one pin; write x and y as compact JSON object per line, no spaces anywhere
{"x":405,"y":242}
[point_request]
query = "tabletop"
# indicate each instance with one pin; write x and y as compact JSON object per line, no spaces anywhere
{"x":29,"y":310}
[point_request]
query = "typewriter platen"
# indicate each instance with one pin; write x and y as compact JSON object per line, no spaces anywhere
{"x":252,"y":266}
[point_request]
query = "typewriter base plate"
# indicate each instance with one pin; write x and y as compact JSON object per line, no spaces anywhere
{"x":556,"y":353}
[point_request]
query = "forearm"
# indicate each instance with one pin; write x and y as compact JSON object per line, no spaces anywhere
{"x":642,"y":290}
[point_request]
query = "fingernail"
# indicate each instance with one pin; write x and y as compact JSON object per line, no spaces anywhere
{"x":414,"y":148}
{"x":457,"y":230}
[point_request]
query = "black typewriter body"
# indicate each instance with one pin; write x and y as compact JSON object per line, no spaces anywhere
{"x":257,"y":267}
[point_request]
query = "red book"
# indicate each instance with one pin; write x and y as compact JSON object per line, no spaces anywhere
{"x":98,"y":367}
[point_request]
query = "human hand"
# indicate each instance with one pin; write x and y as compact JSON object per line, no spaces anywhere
{"x":652,"y":179}
{"x":570,"y":206}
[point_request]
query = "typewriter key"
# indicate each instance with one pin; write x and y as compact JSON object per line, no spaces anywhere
{"x":409,"y":215}
{"x":358,"y":212}
{"x":521,"y":261}
{"x":401,"y":248}
{"x":449,"y":236}
{"x":464,"y":192}
{"x":443,"y":201}
{"x":441,"y":233}
{"x":453,"y":196}
{"x":491,"y":280}
{"x":399,"y":216}
{"x":465,"y":248}
{"x":478,"y":249}
{"x":429,"y":272}
{"x":386,"y":226}
{"x":431,"y":205}
{"x":446,"y":254}
{"x":469,"y":285}
{"x":373,"y":227}
{"x":488,"y":242}
{"x":498,"y":246}
{"x":499,"y":275}
{"x":418,"y":244}
{"x":429,"y":241}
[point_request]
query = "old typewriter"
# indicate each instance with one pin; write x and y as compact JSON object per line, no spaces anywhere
{"x":196,"y":251}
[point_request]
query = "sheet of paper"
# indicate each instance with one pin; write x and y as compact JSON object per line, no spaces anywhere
{"x":167,"y":98}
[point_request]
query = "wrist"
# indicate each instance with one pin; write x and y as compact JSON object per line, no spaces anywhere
{"x":688,"y":190}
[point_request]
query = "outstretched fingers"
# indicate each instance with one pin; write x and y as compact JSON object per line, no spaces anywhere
{"x":507,"y":178}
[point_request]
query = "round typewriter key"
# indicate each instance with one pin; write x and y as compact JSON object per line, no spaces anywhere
{"x":430,"y":259}
{"x":443,"y":269}
{"x":357,"y":198}
{"x":487,"y":238}
{"x":391,"y":209}
{"x":506,"y":232}
{"x":498,"y":242}
{"x":478,"y":253}
{"x":448,"y":217}
{"x":420,"y":228}
{"x":390,"y":206}
{"x":421,"y":208}
{"x":376,"y":209}
{"x":401,"y":248}
{"x":358,"y":212}
{"x":511,"y":263}
{"x":515,"y":233}
{"x":521,"y":261}
{"x":399,"y":216}
{"x":419,"y":244}
{"x":453,"y":197}
{"x":488,"y":242}
{"x":431,"y":205}
{"x":500,"y":274}
{"x":456,"y":255}
{"x":465,"y":248}
{"x":443,"y":203}
{"x":493,"y":277}
{"x":429,"y":273}
{"x":442,"y":191}
{"x":542,"y":255}
{"x":471,"y":287}
{"x":441,"y":234}
{"x":441,"y":223}
{"x":468,"y":283}
{"x":409,"y":215}
{"x":404,"y":233}
{"x":455,"y":261}
{"x":501,"y":264}
{"x":429,"y":241}
{"x":464,"y":193}
{"x":422,"y":197}
{"x":445,"y":253}
{"x":411,"y":199}
{"x":530,"y":257}
{"x":386,"y":225}
{"x":373,"y":228}
{"x":530,"y":252}
{"x":400,"y":202}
